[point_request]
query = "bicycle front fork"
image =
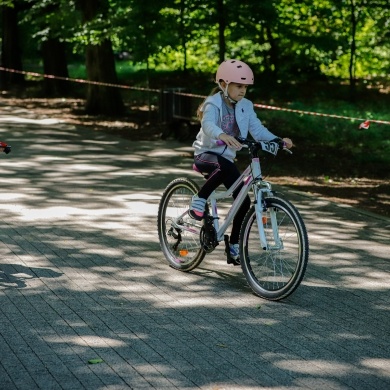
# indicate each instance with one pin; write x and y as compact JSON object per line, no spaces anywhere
{"x":265,"y":217}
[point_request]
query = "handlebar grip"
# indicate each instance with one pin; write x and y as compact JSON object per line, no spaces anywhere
{"x":267,"y":146}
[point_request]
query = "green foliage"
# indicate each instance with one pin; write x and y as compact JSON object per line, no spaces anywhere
{"x":360,"y":152}
{"x":46,"y":18}
{"x":301,"y":51}
{"x":306,"y":38}
{"x":7,"y":3}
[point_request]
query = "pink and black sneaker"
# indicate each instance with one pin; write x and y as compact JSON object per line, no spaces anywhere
{"x":197,"y":208}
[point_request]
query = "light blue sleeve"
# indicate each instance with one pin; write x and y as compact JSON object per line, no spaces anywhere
{"x":258,"y":131}
{"x":211,"y":121}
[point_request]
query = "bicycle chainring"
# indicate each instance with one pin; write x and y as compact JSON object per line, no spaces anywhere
{"x":208,"y":237}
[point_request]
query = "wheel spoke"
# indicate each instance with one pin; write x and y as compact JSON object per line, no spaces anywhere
{"x":178,"y":233}
{"x":276,"y":272}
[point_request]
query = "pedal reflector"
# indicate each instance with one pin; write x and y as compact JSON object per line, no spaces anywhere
{"x":183,"y":252}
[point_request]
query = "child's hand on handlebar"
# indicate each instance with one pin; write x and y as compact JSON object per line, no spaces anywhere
{"x":230,"y":141}
{"x":288,"y":143}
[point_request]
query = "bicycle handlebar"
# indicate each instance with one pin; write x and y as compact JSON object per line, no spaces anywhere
{"x":267,"y":146}
{"x":6,"y":147}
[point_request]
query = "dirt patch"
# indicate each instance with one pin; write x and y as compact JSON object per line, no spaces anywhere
{"x":141,"y":123}
{"x":366,"y":194}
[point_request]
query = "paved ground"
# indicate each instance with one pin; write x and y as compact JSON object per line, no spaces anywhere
{"x":82,"y":278}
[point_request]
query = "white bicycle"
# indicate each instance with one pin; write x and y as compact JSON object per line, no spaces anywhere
{"x":274,"y":246}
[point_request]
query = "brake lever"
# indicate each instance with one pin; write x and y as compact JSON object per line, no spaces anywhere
{"x":283,"y":146}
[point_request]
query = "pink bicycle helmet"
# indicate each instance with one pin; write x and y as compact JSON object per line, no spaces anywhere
{"x":234,"y":71}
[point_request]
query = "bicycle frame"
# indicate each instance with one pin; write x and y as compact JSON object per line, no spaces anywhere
{"x":251,"y":178}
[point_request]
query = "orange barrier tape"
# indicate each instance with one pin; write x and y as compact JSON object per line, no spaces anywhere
{"x":366,"y":122}
{"x":50,"y":76}
{"x":364,"y":125}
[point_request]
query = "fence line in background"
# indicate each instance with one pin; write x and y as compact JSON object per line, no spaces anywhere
{"x":364,"y":125}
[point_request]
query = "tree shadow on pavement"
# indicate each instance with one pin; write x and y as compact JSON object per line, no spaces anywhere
{"x":88,"y":280}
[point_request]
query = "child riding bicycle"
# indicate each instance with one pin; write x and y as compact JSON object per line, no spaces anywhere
{"x":224,"y":115}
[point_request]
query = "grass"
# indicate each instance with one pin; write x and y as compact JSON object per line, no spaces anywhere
{"x":337,"y":144}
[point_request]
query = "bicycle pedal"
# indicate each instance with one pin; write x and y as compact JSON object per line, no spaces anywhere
{"x":194,"y":216}
{"x":230,"y":260}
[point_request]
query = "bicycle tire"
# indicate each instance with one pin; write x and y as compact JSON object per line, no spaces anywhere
{"x":182,"y":249}
{"x":274,"y":273}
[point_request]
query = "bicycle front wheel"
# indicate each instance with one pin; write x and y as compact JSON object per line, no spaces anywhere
{"x":178,"y":233}
{"x":276,"y":271}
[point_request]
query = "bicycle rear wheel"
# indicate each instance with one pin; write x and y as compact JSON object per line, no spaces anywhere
{"x":274,"y":273}
{"x":178,"y":233}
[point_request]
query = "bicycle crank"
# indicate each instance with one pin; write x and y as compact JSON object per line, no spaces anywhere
{"x":208,"y":237}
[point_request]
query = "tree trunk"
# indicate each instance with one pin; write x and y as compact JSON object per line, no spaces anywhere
{"x":10,"y":48}
{"x":100,"y":64}
{"x":54,"y":63}
{"x":183,"y":34}
{"x":101,"y":67}
{"x":352,"y":59}
{"x":221,"y":29}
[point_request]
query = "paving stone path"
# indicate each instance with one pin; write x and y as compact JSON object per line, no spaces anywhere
{"x":88,"y":302}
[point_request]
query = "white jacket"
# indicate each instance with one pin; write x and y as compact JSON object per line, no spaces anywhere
{"x":247,"y":121}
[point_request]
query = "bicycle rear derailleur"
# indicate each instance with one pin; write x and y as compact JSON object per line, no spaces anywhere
{"x":208,"y":235}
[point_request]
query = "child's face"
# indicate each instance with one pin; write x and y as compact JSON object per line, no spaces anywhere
{"x":237,"y":91}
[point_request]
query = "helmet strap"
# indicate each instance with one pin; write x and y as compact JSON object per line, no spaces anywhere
{"x":226,"y":93}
